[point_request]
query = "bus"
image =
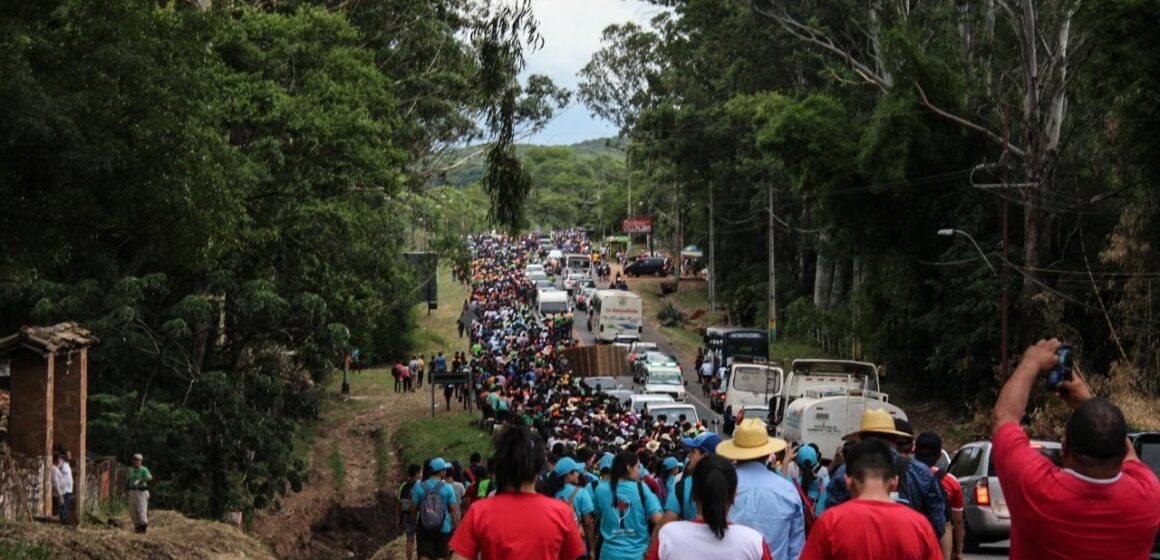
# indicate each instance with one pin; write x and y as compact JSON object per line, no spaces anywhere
{"x":725,"y":345}
{"x":615,"y":312}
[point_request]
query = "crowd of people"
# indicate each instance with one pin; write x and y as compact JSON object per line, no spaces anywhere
{"x":577,"y":474}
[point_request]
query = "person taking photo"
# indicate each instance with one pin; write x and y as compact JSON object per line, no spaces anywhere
{"x":1101,"y":503}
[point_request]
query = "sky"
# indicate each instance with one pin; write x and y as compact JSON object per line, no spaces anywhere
{"x":571,"y":31}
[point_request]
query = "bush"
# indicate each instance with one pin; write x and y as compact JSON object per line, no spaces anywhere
{"x":671,"y":316}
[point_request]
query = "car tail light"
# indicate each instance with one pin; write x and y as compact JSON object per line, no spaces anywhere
{"x":983,"y":493}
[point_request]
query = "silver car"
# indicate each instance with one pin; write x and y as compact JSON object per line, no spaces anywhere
{"x":985,"y":512}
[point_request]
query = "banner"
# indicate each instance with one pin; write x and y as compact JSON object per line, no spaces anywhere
{"x":636,"y":224}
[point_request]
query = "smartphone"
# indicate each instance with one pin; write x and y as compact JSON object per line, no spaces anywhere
{"x":1062,"y":371}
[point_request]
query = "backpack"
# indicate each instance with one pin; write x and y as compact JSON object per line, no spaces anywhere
{"x":405,"y":501}
{"x":432,"y":509}
{"x":483,"y":487}
{"x":808,"y":510}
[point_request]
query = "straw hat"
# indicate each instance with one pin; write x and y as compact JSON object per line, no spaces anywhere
{"x":876,"y":421}
{"x":750,"y":441}
{"x":653,"y":445}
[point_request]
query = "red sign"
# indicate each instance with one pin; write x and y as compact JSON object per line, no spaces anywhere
{"x":636,"y":224}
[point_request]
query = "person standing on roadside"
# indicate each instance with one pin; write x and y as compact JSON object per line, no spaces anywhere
{"x":871,"y":525}
{"x":710,"y":536}
{"x":928,"y":450}
{"x":1101,"y":503}
{"x":397,"y":374}
{"x":66,"y":485}
{"x":55,"y":476}
{"x":139,"y":478}
{"x":421,"y":371}
{"x":407,"y":507}
{"x":413,"y":369}
{"x":766,"y":501}
{"x":517,"y":522}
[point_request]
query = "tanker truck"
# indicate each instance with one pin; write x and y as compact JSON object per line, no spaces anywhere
{"x":824,"y":400}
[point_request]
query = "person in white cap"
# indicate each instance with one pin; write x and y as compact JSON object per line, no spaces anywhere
{"x":139,"y":478}
{"x":765,"y":501}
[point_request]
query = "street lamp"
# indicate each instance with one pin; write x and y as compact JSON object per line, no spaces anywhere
{"x":950,"y":232}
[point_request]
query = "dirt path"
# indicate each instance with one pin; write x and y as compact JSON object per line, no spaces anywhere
{"x":354,"y":518}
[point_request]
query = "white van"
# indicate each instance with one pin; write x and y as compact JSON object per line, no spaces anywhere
{"x":752,"y":384}
{"x":615,"y":312}
{"x":673,"y":412}
{"x":578,"y":263}
{"x":552,"y":302}
{"x":638,"y":402}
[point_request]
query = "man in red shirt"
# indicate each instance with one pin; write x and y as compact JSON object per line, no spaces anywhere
{"x":1101,"y":504}
{"x":872,"y":525}
{"x":927,"y":450}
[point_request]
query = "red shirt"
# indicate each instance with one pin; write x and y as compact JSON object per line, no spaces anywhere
{"x":954,"y":490}
{"x":872,"y":530}
{"x":1058,"y":513}
{"x":519,"y":525}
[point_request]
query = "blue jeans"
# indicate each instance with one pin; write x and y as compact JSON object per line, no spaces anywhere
{"x":65,"y":502}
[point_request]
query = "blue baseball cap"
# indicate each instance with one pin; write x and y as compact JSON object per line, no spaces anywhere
{"x":566,"y":465}
{"x":705,"y":441}
{"x":671,"y":463}
{"x":606,"y":462}
{"x":438,"y":465}
{"x":806,"y":456}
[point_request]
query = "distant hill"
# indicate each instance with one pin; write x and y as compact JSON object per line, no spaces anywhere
{"x":472,"y":171}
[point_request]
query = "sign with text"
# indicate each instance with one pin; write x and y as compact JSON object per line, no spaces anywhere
{"x":636,"y":224}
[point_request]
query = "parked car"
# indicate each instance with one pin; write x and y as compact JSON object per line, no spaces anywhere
{"x":626,"y":340}
{"x":604,"y":383}
{"x":665,"y":380}
{"x":638,"y":348}
{"x":986,"y":515}
{"x":572,"y":281}
{"x":649,"y":266}
{"x":638,"y":402}
{"x":673,"y":411}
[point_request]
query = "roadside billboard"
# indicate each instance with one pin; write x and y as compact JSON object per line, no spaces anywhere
{"x":636,"y":224}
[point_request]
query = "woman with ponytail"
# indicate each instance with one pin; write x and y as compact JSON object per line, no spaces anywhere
{"x":627,"y":507}
{"x":517,"y":522}
{"x":710,"y":536}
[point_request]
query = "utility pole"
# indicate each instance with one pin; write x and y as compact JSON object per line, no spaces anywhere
{"x":679,"y":237}
{"x":628,"y":207}
{"x":712,"y":255}
{"x":772,"y":303}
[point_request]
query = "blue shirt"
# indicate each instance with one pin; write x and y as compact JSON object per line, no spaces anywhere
{"x":446,"y":491}
{"x":625,"y":532}
{"x":923,"y":492}
{"x":582,"y":504}
{"x":672,"y":504}
{"x":770,"y":505}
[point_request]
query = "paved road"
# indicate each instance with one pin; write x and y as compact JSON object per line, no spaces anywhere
{"x":989,"y":552}
{"x":693,"y":390}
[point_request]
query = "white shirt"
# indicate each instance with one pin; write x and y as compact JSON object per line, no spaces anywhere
{"x":689,"y":540}
{"x":54,"y":476}
{"x":66,"y":482}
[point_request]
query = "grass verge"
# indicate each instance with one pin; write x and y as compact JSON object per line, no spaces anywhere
{"x":337,"y":466}
{"x":450,"y":436}
{"x":21,"y":550}
{"x":437,"y":332}
{"x":382,"y":456}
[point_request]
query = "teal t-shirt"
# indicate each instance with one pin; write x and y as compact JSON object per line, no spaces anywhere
{"x":624,"y":520}
{"x":671,"y":503}
{"x":582,"y":504}
{"x":446,"y":491}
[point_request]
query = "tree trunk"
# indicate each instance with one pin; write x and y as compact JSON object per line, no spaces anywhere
{"x":838,"y":287}
{"x":823,"y":278}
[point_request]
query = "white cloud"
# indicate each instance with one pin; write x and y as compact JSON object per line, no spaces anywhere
{"x":571,"y":31}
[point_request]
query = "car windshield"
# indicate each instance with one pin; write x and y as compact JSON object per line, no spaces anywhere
{"x":674,"y":412}
{"x":658,"y":358}
{"x":553,"y":307}
{"x":665,"y":378}
{"x":1055,"y":454}
{"x":754,"y":380}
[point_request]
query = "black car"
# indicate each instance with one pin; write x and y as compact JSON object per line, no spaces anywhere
{"x":649,"y":266}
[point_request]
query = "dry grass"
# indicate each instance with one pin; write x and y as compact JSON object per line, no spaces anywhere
{"x":171,"y":536}
{"x":395,"y":550}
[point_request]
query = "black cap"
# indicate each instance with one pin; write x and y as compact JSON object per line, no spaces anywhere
{"x":928,"y":443}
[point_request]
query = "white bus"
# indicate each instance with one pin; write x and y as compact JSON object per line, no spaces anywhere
{"x":615,"y":312}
